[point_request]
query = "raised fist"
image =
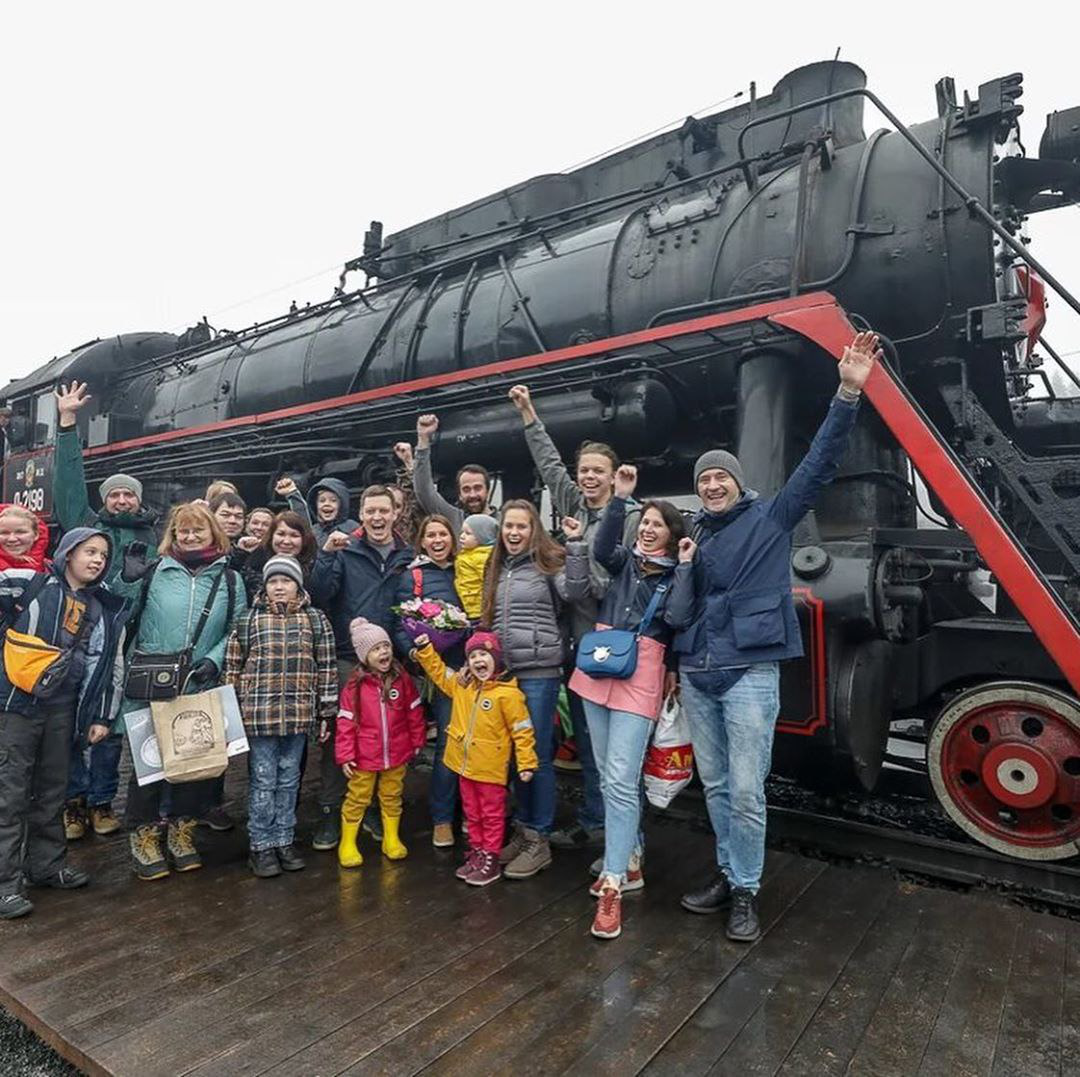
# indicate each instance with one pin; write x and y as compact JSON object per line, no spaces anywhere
{"x":285,"y":486}
{"x":572,"y":527}
{"x":426,"y":426}
{"x":336,"y":540}
{"x":625,"y":480}
{"x":404,"y":452}
{"x":687,"y":549}
{"x":247,"y":543}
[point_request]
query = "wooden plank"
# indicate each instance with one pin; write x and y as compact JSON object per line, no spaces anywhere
{"x":643,"y":1020}
{"x":490,"y":1009}
{"x":1030,"y":1041}
{"x":825,"y":1046}
{"x":757,"y":1011}
{"x":319,"y":1004}
{"x":963,"y":1040}
{"x":896,"y":1038}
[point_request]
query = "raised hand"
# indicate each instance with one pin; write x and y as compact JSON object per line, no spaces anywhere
{"x":858,"y":360}
{"x":521,"y":398}
{"x":69,"y":399}
{"x":336,"y":540}
{"x":404,"y":452}
{"x":285,"y":486}
{"x":426,"y":426}
{"x":572,"y":527}
{"x":625,"y":480}
{"x":247,"y":543}
{"x":687,"y":549}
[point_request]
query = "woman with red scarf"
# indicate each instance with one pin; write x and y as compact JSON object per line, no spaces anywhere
{"x":23,"y":539}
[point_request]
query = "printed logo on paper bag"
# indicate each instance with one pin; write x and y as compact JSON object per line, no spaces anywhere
{"x":192,"y":733}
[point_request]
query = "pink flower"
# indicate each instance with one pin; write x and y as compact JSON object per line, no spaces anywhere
{"x":430,"y":609}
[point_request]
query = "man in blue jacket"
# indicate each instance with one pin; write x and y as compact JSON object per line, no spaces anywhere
{"x":354,"y":575}
{"x":729,"y":659}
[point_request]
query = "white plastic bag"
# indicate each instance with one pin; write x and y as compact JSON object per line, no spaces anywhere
{"x":669,"y":762}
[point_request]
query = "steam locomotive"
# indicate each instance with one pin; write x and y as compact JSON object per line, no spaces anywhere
{"x":601,"y":288}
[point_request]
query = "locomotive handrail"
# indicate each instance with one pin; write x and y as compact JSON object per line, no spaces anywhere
{"x":825,"y":324}
{"x":974,"y":206}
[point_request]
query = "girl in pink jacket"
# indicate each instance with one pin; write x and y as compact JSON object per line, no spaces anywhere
{"x":380,"y":727}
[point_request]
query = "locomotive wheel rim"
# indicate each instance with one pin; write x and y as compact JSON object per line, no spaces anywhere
{"x":1004,"y":762}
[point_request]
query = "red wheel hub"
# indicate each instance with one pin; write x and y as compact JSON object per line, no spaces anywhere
{"x":1005,"y":763}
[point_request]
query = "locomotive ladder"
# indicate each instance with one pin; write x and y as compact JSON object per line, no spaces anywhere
{"x":820,"y":319}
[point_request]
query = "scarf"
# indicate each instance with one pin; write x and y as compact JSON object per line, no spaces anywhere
{"x":659,"y":561}
{"x":197,"y":558}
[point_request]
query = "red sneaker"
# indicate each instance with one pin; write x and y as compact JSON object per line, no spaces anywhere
{"x":487,"y":870}
{"x":471,"y":863}
{"x":566,"y":755}
{"x":607,"y":924}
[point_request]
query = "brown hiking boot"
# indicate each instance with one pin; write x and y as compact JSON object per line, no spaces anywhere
{"x":74,"y":819}
{"x":147,"y":859}
{"x":181,"y":842}
{"x":442,"y":837}
{"x":103,"y":819}
{"x":512,"y":849}
{"x":535,"y":855}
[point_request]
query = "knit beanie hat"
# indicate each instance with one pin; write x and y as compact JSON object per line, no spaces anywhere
{"x":483,"y":527}
{"x":282,"y":565}
{"x":485,"y":641}
{"x":120,"y":481}
{"x":719,"y":458}
{"x":364,"y":635}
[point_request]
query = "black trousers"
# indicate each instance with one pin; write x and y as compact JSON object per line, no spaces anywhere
{"x":187,"y":800}
{"x":35,"y":752}
{"x":331,"y":778}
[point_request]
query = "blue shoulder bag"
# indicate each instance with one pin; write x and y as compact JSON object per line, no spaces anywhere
{"x":612,"y":652}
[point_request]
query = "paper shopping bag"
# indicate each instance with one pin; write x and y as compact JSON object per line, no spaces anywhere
{"x":190,"y":733}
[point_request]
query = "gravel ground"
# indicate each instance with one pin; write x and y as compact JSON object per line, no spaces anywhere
{"x":22,"y":1054}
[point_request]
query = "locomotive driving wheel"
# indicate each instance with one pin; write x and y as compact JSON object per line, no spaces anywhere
{"x":1004,"y":761}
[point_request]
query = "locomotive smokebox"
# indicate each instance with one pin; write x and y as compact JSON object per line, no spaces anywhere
{"x":1061,"y":139}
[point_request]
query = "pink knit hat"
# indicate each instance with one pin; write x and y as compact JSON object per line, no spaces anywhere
{"x":486,"y":641}
{"x":364,"y":635}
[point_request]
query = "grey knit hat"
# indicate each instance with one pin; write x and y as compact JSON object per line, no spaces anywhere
{"x":483,"y":527}
{"x":120,"y":481}
{"x":719,"y":458}
{"x":281,"y":565}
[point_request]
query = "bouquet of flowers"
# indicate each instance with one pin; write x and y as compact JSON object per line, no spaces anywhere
{"x":442,"y":622}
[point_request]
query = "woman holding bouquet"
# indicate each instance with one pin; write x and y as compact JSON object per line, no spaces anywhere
{"x":426,"y":599}
{"x":524,"y":586}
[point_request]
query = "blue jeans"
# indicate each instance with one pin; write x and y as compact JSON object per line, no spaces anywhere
{"x":100,"y":781}
{"x":274,"y":775}
{"x":732,"y":735}
{"x":443,"y":790}
{"x":591,"y":813}
{"x":620,"y":740}
{"x":536,"y":799}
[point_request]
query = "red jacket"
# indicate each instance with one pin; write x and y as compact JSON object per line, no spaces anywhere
{"x":374,"y":732}
{"x":34,"y":558}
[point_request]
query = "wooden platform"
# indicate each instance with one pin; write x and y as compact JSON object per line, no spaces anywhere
{"x":398,"y":968}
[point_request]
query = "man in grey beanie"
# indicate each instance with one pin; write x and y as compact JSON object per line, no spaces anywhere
{"x":729,"y":659}
{"x":124,"y":521}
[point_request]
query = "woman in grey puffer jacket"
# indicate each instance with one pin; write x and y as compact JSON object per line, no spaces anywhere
{"x":523,"y":589}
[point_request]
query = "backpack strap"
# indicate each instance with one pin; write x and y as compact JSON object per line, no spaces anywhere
{"x":205,"y":615}
{"x":31,"y":591}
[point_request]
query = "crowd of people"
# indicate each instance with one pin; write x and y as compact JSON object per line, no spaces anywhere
{"x":317,"y":620}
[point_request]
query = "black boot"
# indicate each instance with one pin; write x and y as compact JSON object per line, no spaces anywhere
{"x":742,"y":925}
{"x":328,"y":832}
{"x":712,"y":897}
{"x":289,"y":858}
{"x":264,"y":863}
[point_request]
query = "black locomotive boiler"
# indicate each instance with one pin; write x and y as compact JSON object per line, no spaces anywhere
{"x":583,"y":284}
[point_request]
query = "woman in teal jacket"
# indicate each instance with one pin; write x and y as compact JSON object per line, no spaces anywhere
{"x":191,"y":576}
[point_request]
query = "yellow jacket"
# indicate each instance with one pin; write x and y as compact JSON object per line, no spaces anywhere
{"x":486,"y":720}
{"x":469,"y":568}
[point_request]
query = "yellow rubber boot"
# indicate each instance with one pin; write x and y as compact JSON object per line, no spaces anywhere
{"x":391,"y":843}
{"x":348,"y":854}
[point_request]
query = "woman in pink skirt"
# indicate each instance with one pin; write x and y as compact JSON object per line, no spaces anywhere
{"x":621,"y":713}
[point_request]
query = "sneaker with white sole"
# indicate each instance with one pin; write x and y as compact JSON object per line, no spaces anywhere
{"x":607,"y":923}
{"x":635,"y":877}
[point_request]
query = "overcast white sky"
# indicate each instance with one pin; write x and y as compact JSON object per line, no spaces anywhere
{"x":165,"y":162}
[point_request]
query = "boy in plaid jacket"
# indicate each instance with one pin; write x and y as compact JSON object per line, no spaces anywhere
{"x":281,"y":661}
